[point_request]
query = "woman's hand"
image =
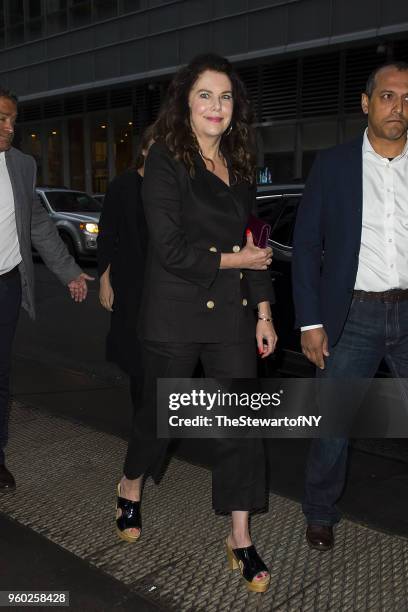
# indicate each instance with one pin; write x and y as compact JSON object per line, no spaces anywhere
{"x":266,"y":338}
{"x":254,"y":258}
{"x":106,"y":294}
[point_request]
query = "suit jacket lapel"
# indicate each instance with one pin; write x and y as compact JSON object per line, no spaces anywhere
{"x":355,"y":177}
{"x":12,"y":170}
{"x":215,"y":185}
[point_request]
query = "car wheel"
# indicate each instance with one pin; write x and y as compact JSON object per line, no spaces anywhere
{"x":69,"y":243}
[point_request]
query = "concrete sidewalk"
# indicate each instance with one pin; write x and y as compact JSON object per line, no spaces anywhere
{"x":66,"y":473}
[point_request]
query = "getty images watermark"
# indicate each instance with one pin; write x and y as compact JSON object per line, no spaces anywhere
{"x":219,"y":400}
{"x":284,"y":407}
{"x":214,"y":408}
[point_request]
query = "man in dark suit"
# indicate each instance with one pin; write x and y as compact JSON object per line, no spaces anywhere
{"x":350,"y":271}
{"x":22,"y":221}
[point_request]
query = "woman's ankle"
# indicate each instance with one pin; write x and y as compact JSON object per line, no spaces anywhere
{"x":130,"y":489}
{"x":240,"y":538}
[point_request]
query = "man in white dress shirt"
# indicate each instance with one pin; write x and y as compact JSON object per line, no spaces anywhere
{"x":22,"y":221}
{"x":352,"y":304}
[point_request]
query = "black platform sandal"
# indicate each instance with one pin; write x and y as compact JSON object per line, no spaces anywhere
{"x":250,"y":565}
{"x":127,"y":517}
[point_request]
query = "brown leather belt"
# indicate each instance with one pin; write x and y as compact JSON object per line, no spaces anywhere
{"x":393,"y":295}
{"x":9,"y":274}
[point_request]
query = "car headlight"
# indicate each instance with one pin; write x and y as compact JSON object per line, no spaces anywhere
{"x":91,"y":228}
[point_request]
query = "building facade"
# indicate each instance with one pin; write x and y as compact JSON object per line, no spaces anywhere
{"x":91,"y":74}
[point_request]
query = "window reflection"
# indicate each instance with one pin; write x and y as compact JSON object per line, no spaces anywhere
{"x":130,"y":5}
{"x":15,"y":18}
{"x":54,"y":156}
{"x":123,"y":144}
{"x":34,"y":21}
{"x":81,"y":12}
{"x":56,"y":16}
{"x":104,"y":9}
{"x":99,"y":156}
{"x":76,"y":153}
{"x":33,"y":146}
{"x":72,"y":202}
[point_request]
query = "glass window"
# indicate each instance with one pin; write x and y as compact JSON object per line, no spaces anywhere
{"x":80,"y":13}
{"x":56,"y":16}
{"x":269,"y":207}
{"x":15,"y":35}
{"x":280,"y":166}
{"x":15,"y":12}
{"x":76,"y":153}
{"x":34,"y":9}
{"x":56,"y":5}
{"x":103,"y":9}
{"x":130,"y":5}
{"x":34,"y":20}
{"x":32,"y":145}
{"x":72,"y":201}
{"x":34,"y":29}
{"x":282,"y":230}
{"x":54,"y":157}
{"x":123,"y":144}
{"x":99,"y":156}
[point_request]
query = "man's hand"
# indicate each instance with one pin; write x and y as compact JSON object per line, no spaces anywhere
{"x":315,"y":346}
{"x":78,"y":287}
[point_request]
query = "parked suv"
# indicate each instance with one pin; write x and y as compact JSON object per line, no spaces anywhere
{"x":76,"y":216}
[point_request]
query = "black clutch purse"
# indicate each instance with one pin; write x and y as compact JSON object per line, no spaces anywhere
{"x":260,"y":231}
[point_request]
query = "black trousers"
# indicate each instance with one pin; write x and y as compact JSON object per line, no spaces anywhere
{"x":10,"y":301}
{"x":238,"y":473}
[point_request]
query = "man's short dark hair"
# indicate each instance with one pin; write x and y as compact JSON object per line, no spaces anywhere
{"x":7,"y":93}
{"x":370,"y":86}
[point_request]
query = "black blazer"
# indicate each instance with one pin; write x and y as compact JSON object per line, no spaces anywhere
{"x":191,"y":221}
{"x":329,"y":222}
{"x":122,"y":242}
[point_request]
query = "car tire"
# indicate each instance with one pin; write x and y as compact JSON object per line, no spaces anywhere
{"x":69,"y":243}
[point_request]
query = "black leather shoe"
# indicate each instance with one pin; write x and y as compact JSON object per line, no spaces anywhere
{"x":320,"y":537}
{"x":7,"y":482}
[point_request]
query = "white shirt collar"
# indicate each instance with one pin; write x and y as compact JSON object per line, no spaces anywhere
{"x":368,"y":149}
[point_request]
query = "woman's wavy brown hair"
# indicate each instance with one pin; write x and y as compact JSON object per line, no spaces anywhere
{"x":172,"y":127}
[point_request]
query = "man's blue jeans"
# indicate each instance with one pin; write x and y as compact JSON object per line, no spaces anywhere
{"x":373,"y":330}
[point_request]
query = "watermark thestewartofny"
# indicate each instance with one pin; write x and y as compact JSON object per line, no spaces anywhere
{"x":262,"y":408}
{"x":221,"y":420}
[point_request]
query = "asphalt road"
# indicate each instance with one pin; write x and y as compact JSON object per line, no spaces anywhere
{"x":65,"y":333}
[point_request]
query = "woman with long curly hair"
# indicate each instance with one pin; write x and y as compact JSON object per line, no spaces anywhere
{"x":204,"y":278}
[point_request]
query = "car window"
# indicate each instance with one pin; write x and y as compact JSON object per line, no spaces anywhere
{"x":42,"y":201}
{"x":72,"y":201}
{"x":284,"y":225}
{"x":269,"y":208}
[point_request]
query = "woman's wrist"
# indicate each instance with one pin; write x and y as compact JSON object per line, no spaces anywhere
{"x":264,"y":311}
{"x":264,"y":318}
{"x":230,"y":261}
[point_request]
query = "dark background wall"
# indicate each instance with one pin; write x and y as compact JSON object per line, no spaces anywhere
{"x":104,"y":42}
